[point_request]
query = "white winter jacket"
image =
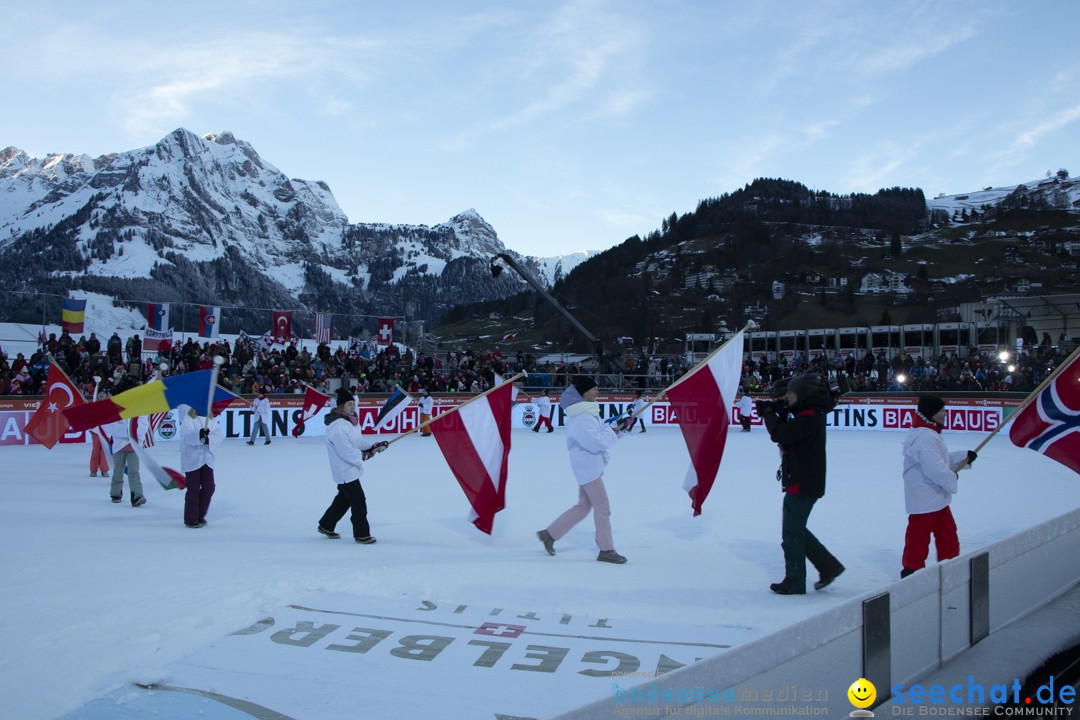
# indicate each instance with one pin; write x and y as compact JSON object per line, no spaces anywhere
{"x":193,"y":454}
{"x":345,"y":445}
{"x":261,"y":408}
{"x":588,"y":439}
{"x":929,"y":479}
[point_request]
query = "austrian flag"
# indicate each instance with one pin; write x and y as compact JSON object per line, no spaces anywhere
{"x":1050,"y":424}
{"x":475,"y":440}
{"x":703,"y":400}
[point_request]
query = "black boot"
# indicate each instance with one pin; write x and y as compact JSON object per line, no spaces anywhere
{"x":827,"y":577}
{"x":905,"y":572}
{"x":788,"y":586}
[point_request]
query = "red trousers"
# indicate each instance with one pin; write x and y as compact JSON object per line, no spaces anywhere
{"x":542,"y":421}
{"x":99,"y":459}
{"x":942,"y":526}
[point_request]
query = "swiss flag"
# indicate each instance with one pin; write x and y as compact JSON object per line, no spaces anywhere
{"x":385,"y":334}
{"x":282,"y":326}
{"x":703,"y":400}
{"x":314,"y":401}
{"x":49,"y":424}
{"x":1050,"y":424}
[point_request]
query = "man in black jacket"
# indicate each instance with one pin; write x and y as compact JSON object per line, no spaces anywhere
{"x":799,"y":429}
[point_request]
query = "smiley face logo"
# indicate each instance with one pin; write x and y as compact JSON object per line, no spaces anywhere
{"x":862,"y":693}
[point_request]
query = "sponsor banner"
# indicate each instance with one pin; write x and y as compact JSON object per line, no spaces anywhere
{"x":862,"y":413}
{"x":419,"y":658}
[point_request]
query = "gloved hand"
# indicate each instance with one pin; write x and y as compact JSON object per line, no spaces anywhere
{"x":971,"y":457}
{"x":764,"y":407}
{"x":204,"y":436}
{"x":374,"y":450}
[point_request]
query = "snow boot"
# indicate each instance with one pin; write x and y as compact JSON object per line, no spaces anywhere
{"x":788,"y":586}
{"x":367,"y":540}
{"x":137,"y":500}
{"x":329,"y":533}
{"x":827,"y":577}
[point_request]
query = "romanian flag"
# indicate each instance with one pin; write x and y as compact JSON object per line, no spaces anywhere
{"x":161,"y":395}
{"x":74,"y":315}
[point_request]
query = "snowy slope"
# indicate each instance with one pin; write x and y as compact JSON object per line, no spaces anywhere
{"x":98,"y":596}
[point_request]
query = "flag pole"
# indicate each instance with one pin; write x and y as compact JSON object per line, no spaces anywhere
{"x":218,"y":362}
{"x":1027,"y":401}
{"x":456,"y":408}
{"x":687,"y":374}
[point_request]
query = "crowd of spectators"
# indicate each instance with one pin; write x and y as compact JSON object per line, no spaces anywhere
{"x":122,"y":364}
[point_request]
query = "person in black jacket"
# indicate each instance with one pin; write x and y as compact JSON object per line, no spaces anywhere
{"x":797,"y":425}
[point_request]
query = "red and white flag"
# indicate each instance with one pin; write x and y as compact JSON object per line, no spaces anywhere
{"x":282,"y":326}
{"x":475,"y":441}
{"x":1050,"y":424}
{"x":703,"y":401}
{"x":48,"y":424}
{"x":314,"y":401}
{"x":385,"y":333}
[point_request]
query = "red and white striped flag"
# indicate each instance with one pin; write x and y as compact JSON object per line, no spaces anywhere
{"x":153,"y":422}
{"x":703,"y":401}
{"x":323,"y":322}
{"x":475,"y":441}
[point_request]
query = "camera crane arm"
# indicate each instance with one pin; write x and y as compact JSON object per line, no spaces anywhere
{"x":496,"y":269}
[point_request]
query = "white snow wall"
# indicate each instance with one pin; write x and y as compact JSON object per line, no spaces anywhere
{"x":929,"y":622}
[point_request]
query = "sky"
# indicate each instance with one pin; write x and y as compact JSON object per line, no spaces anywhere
{"x":568,"y":125}
{"x":99,"y":596}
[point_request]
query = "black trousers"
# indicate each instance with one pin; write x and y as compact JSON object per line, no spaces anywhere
{"x":799,"y":543}
{"x":350,"y":495}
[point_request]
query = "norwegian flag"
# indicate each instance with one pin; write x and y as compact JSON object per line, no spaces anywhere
{"x":475,"y":441}
{"x":1050,"y":424}
{"x":323,"y":323}
{"x":703,"y":400}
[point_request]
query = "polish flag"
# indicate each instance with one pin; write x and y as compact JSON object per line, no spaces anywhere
{"x":475,"y":441}
{"x":703,"y":400}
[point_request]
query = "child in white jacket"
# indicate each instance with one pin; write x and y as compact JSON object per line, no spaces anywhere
{"x":929,"y":483}
{"x":589,"y":441}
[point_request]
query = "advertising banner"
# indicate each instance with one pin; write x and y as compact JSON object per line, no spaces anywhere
{"x":861,"y":413}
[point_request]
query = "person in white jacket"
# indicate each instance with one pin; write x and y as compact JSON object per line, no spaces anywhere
{"x":930,"y":481}
{"x":589,"y":441}
{"x":123,"y":433}
{"x":543,"y":412}
{"x":348,"y":449}
{"x":260,"y":410}
{"x":198,"y":440}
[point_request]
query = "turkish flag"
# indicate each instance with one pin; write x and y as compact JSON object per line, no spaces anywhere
{"x":282,"y":326}
{"x":385,"y":334}
{"x":49,"y":424}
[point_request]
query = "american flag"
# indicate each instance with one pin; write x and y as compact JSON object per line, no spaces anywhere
{"x":154,"y":421}
{"x":323,"y":321}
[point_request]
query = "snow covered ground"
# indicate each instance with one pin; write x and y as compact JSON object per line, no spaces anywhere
{"x":98,"y":596}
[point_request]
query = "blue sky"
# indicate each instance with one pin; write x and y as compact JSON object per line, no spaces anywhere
{"x":568,"y":125}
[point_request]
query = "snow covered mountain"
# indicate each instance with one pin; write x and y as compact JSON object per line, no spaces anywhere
{"x":1058,"y":191}
{"x":207,"y":220}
